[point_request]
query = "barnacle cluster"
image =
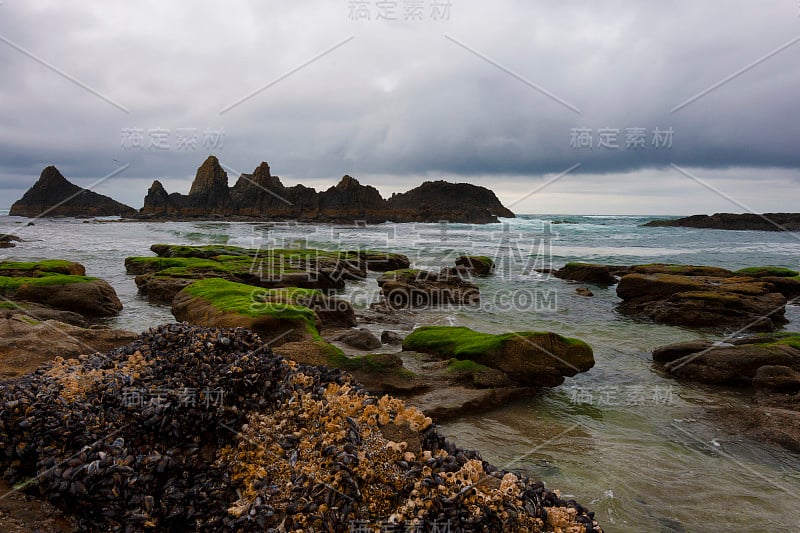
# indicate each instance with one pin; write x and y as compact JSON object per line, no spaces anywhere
{"x":288,"y":447}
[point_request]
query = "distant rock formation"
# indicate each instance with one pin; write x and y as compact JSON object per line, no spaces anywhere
{"x":262,"y":195}
{"x":53,"y":195}
{"x":456,"y":202}
{"x":731,"y":221}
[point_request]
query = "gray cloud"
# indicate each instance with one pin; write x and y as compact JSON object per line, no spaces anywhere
{"x":401,"y":102}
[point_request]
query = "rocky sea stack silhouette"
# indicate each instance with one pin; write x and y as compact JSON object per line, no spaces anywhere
{"x":55,"y":196}
{"x":262,"y":195}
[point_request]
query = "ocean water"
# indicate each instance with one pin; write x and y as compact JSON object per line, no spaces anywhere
{"x":639,"y":449}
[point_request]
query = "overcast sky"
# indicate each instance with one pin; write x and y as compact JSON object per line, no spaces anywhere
{"x":505,"y":94}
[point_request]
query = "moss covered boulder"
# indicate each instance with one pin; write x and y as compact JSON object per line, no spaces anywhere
{"x":278,"y":315}
{"x":59,"y":285}
{"x":528,"y":358}
{"x":409,"y":287}
{"x":785,"y":280}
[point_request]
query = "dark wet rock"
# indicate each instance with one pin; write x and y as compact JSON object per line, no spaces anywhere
{"x":737,"y":222}
{"x":384,"y":261}
{"x":361,"y":338}
{"x":54,"y":196}
{"x":703,"y":301}
{"x":392,"y":337}
{"x":587,"y":273}
{"x":94,"y":297}
{"x":583,"y":291}
{"x":119,"y":462}
{"x":732,"y":365}
{"x":9,"y":241}
{"x":419,"y":288}
{"x":477,"y":265}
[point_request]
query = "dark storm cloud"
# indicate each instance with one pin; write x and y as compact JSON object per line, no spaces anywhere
{"x":491,"y":91}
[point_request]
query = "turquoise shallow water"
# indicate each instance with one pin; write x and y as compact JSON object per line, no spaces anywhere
{"x":634,"y":446}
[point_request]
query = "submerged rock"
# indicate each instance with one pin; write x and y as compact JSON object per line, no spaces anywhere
{"x":206,"y":429}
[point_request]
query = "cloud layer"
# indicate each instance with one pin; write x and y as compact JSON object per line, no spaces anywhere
{"x":492,"y":93}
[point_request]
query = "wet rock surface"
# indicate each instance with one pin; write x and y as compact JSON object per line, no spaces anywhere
{"x":221,"y":435}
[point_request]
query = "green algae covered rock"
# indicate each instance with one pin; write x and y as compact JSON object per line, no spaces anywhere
{"x":529,"y":358}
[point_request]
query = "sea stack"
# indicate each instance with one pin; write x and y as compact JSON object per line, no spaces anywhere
{"x":55,"y":196}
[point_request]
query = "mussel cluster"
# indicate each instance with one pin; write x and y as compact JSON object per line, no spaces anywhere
{"x":198,"y":429}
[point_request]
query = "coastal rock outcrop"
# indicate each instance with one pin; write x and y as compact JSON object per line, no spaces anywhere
{"x":738,"y":222}
{"x":54,"y":196}
{"x":262,"y":195}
